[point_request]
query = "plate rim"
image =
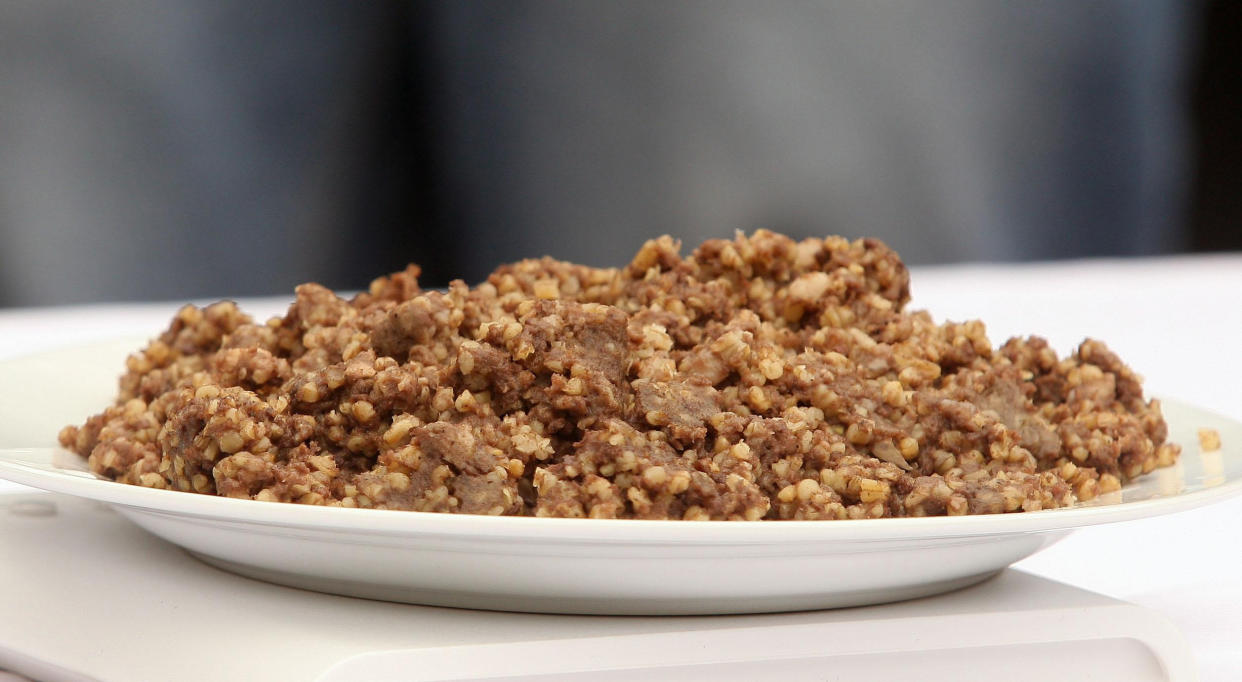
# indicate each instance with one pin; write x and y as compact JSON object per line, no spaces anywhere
{"x":398,"y":523}
{"x":42,"y":474}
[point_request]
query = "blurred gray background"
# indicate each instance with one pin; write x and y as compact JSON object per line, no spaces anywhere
{"x":154,"y":151}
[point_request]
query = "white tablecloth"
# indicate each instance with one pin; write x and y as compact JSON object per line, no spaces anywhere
{"x":1177,"y":321}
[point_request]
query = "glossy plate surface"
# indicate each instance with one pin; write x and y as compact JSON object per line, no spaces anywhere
{"x":570,"y":565}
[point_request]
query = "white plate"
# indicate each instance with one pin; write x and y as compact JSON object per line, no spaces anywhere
{"x":570,"y":565}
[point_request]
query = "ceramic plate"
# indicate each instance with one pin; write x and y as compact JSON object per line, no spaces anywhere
{"x":570,"y":565}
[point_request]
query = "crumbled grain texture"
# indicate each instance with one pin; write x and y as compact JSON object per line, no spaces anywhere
{"x":757,"y":378}
{"x":1209,"y":440}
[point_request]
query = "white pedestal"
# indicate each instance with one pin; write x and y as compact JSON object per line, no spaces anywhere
{"x":84,"y":595}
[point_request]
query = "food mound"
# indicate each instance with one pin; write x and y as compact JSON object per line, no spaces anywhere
{"x":758,"y":378}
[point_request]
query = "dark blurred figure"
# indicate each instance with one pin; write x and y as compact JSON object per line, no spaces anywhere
{"x":1216,"y":203}
{"x":162,"y":151}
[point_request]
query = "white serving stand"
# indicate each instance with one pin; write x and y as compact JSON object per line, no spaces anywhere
{"x":85,"y":595}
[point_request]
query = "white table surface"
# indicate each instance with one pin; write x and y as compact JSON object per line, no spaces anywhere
{"x":1177,"y":321}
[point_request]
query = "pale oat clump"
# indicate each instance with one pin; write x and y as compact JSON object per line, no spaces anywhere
{"x":757,"y":378}
{"x":1209,"y":440}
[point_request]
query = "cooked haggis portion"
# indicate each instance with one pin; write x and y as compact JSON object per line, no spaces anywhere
{"x":758,"y":378}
